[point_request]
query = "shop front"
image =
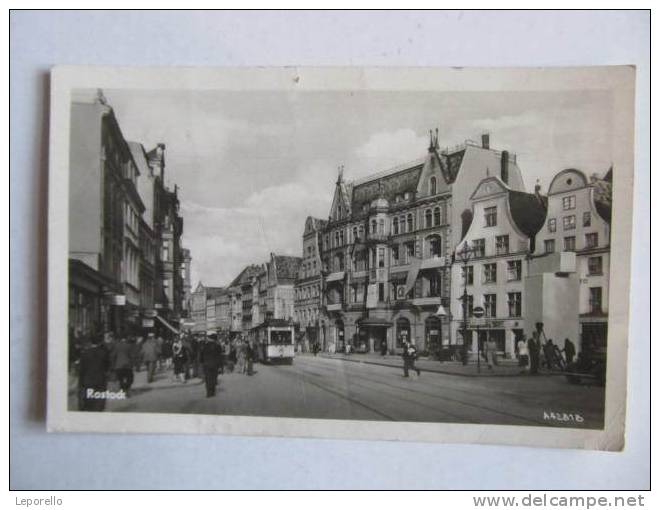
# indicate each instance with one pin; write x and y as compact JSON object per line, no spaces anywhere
{"x":372,"y":335}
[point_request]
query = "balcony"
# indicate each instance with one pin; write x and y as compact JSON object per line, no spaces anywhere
{"x":377,"y":237}
{"x":434,"y":262}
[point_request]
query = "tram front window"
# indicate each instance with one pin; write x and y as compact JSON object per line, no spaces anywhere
{"x":280,"y":337}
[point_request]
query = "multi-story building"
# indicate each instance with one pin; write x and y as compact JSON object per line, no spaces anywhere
{"x":387,"y":246}
{"x":197,"y":312}
{"x":282,"y":272}
{"x":240,"y":299}
{"x":308,"y":291}
{"x":223,"y":311}
{"x":501,"y":237}
{"x":168,"y":228}
{"x":99,"y":165}
{"x":578,"y":222}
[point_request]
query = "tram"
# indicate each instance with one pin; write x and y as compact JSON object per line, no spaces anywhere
{"x":275,"y":341}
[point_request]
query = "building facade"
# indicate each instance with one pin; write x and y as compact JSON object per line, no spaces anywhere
{"x":387,"y":246}
{"x":501,"y":236}
{"x":578,"y":221}
{"x":308,"y":309}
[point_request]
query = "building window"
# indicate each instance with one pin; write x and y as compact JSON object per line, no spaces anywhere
{"x":381,"y":257}
{"x":381,"y":292}
{"x":436,"y":216}
{"x":410,"y":223}
{"x":468,"y":275}
{"x":434,"y":285}
{"x":374,"y":226}
{"x":568,"y":203}
{"x":490,"y":305}
{"x":341,"y":238}
{"x":569,"y":243}
{"x":410,"y":252}
{"x":515,"y":304}
{"x":355,"y":234}
{"x":586,"y":219}
{"x":395,"y":225}
{"x":490,"y":214}
{"x":569,"y":222}
{"x":435,"y":246}
{"x":402,"y":222}
{"x":479,"y":247}
{"x":552,"y":225}
{"x":591,"y":240}
{"x":549,"y":245}
{"x":490,"y":273}
{"x":381,"y":226}
{"x":395,"y":255}
{"x":433,"y":186}
{"x":428,"y":218}
{"x":502,"y":244}
{"x":336,"y":239}
{"x":595,"y":265}
{"x":361,"y":231}
{"x":514,"y":270}
{"x":596,"y":299}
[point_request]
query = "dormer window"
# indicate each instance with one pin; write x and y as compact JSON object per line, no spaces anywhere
{"x":432,"y":186}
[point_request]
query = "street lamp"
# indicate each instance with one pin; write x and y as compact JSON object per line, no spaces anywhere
{"x":464,"y":255}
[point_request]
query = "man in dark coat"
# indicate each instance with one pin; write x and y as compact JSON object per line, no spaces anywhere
{"x":534,"y":348}
{"x":569,"y":351}
{"x":93,"y":377}
{"x":123,"y":359}
{"x":210,"y":358}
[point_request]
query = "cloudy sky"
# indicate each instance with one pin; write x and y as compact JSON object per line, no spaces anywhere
{"x":251,"y":166}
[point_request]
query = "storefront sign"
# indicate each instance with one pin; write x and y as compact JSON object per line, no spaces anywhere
{"x":118,"y":300}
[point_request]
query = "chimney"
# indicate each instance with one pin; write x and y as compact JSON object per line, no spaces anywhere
{"x":485,"y":141}
{"x":504,"y":173}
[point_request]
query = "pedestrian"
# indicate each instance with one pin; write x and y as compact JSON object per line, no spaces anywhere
{"x":122,"y":358}
{"x":549,"y":354}
{"x":232,"y":356}
{"x":159,"y":361}
{"x":409,"y":356}
{"x":534,"y":347}
{"x":383,"y":348}
{"x":240,"y":358}
{"x":569,"y":351}
{"x":150,"y":353}
{"x":250,"y":355}
{"x":166,"y":353}
{"x":491,"y":353}
{"x":93,"y":378}
{"x":180,"y":360}
{"x":210,"y":354}
{"x":523,"y":355}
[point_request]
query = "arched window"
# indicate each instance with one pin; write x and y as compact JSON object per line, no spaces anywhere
{"x":436,"y":216}
{"x":432,"y":186}
{"x":402,"y":331}
{"x":373,"y":226}
{"x":428,"y":219}
{"x":341,"y":238}
{"x":336,"y":238}
{"x":434,"y":244}
{"x":410,"y":223}
{"x":381,"y":226}
{"x":395,"y":225}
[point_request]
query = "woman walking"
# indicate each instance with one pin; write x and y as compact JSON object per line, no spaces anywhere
{"x":180,"y":359}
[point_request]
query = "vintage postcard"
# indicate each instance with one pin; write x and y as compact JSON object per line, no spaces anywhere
{"x":404,"y":254}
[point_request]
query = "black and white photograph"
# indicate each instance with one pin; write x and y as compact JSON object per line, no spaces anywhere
{"x":314,"y":248}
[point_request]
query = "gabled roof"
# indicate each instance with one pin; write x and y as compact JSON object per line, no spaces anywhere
{"x":603,"y":195}
{"x":390,"y":183}
{"x":213,"y":292}
{"x":245,"y":275}
{"x":528,"y":210}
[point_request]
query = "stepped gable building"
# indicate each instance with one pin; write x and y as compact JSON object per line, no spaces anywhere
{"x":387,"y":246}
{"x":308,"y":311}
{"x":240,"y":299}
{"x":574,"y":243}
{"x":502,"y":235}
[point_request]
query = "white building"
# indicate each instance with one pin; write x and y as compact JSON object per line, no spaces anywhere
{"x":501,"y":234}
{"x":578,"y":221}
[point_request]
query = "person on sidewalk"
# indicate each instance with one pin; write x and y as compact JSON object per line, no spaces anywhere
{"x":409,"y":356}
{"x":534,"y":347}
{"x":491,"y":353}
{"x":150,"y":353}
{"x":250,"y":356}
{"x":93,"y":378}
{"x":241,"y":361}
{"x":180,"y":360}
{"x":210,"y":357}
{"x":122,"y":358}
{"x":523,"y":355}
{"x":569,"y":351}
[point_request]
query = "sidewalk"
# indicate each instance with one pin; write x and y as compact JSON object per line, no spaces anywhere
{"x":506,"y":368}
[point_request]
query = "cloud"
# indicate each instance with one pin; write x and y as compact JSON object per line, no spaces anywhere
{"x":387,"y":149}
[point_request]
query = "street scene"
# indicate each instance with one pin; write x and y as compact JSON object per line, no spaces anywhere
{"x":336,"y":255}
